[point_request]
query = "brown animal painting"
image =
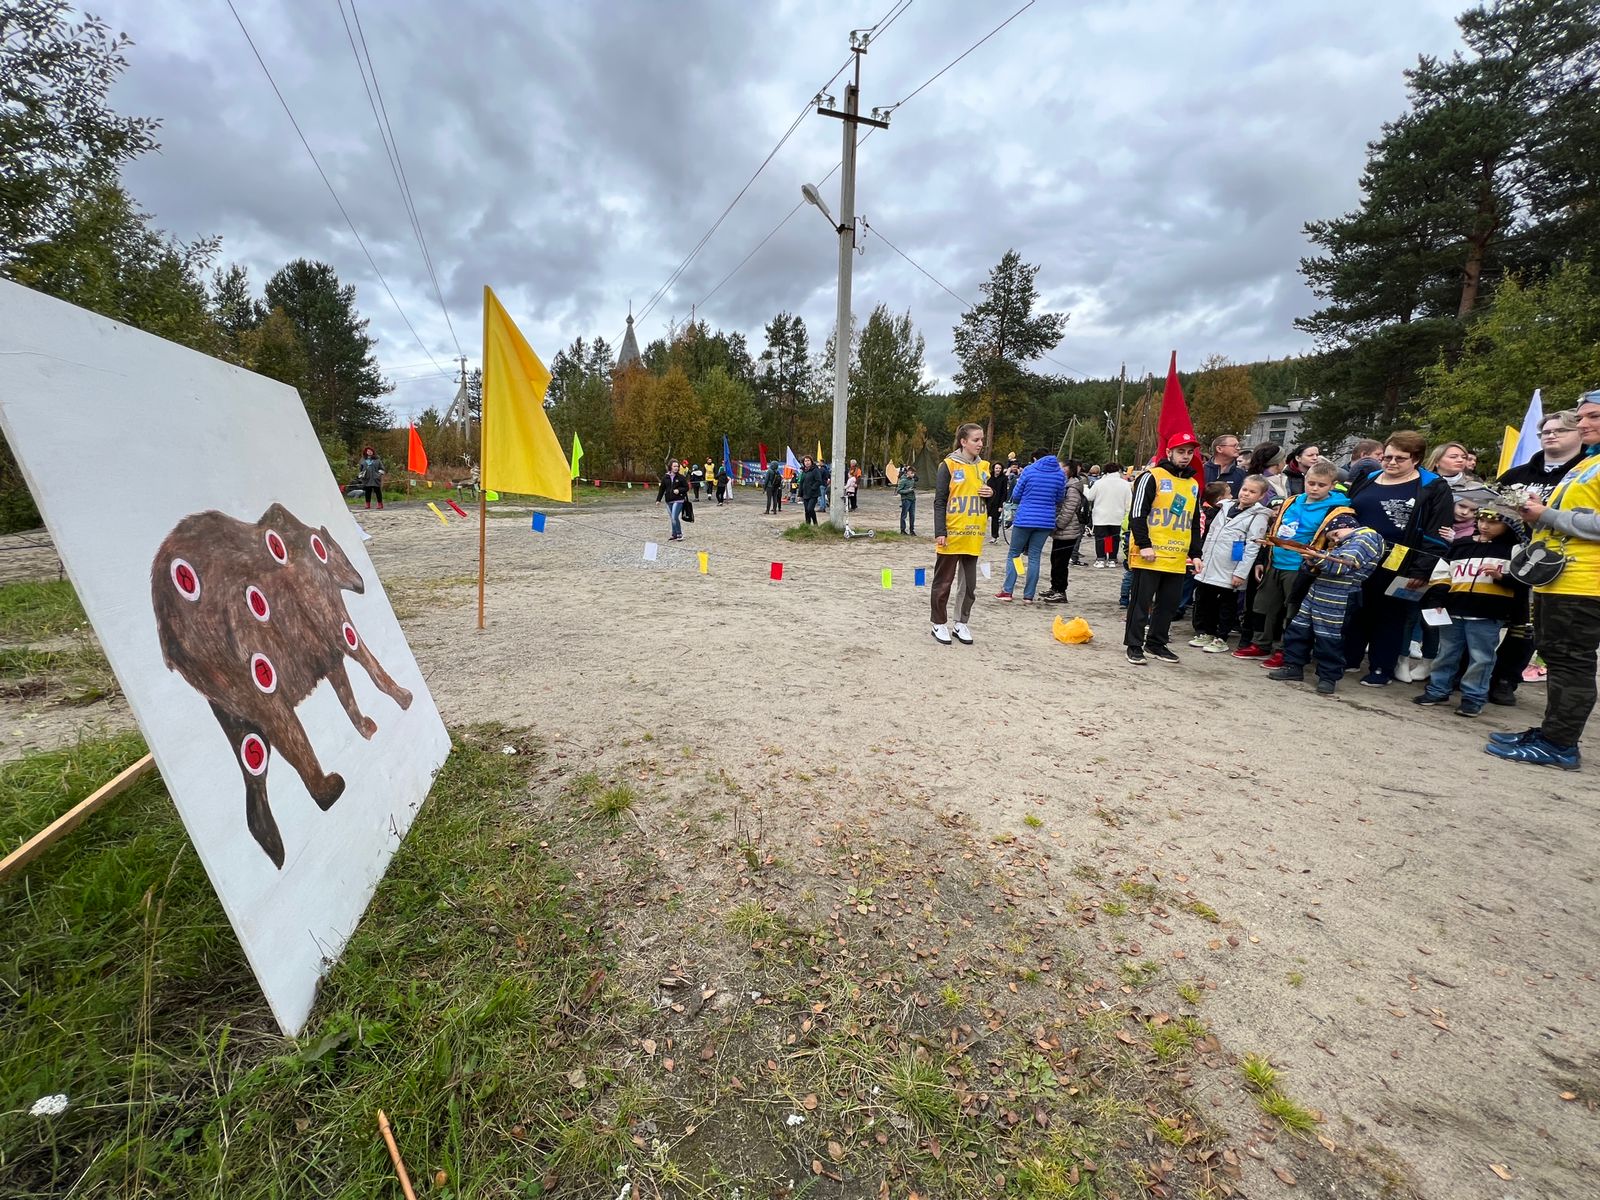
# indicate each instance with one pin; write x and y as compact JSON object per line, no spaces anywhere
{"x":253,"y":618}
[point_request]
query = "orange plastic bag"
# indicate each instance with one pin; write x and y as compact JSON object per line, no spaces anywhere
{"x":1072,"y":633}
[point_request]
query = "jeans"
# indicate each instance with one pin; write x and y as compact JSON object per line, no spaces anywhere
{"x":1127,"y":587}
{"x":675,"y":510}
{"x":1567,"y":629}
{"x":1030,"y":542}
{"x":908,"y":514}
{"x":1150,"y":607}
{"x":1480,"y":638}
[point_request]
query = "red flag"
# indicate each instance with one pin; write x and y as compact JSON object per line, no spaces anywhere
{"x":459,"y":510}
{"x":1174,"y":412}
{"x":416,"y":456}
{"x":763,"y":449}
{"x":777,"y":570}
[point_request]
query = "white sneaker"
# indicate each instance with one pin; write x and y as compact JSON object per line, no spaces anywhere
{"x":1199,"y":641}
{"x":941,"y":634}
{"x":963,"y":634}
{"x":1217,"y":646}
{"x":1402,"y":669}
{"x":1422,"y":669}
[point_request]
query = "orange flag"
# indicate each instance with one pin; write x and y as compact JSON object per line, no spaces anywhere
{"x":416,"y":456}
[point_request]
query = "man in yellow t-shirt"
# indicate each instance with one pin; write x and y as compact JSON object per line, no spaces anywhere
{"x":1566,"y":611}
{"x":959,"y":515}
{"x":1165,"y":536}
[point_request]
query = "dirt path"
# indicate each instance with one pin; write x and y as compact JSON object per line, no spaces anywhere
{"x":1405,"y":926}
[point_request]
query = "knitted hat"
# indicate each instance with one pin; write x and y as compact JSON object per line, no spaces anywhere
{"x":1342,"y":520}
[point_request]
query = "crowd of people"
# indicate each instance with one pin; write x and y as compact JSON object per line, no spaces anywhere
{"x":1404,"y":561}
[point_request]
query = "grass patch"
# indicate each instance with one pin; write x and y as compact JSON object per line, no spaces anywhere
{"x":1139,"y":974}
{"x":1138,"y":889}
{"x":1259,"y":1074}
{"x":753,"y":923}
{"x":462,"y":1004}
{"x":412,"y":597}
{"x":1190,"y":992}
{"x":1204,"y":911}
{"x":1296,"y":978}
{"x":1287,"y":1113}
{"x":615,"y":801}
{"x":1115,"y":908}
{"x":1032,"y":821}
{"x":33,"y":611}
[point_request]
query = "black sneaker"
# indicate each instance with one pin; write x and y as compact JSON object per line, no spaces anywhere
{"x":1376,"y":679}
{"x":1288,"y":674}
{"x":1469,"y":709}
{"x":1428,"y":700}
{"x":1326,"y":687}
{"x":1162,"y":654}
{"x":1135,"y":656}
{"x":1053,"y":598}
{"x":1501,"y":692}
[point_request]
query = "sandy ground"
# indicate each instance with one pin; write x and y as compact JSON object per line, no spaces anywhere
{"x":1415,"y":922}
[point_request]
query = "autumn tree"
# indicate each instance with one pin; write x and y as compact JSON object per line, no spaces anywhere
{"x":1221,"y":399}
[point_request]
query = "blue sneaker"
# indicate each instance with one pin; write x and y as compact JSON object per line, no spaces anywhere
{"x":1538,"y":751}
{"x":1514,"y":739}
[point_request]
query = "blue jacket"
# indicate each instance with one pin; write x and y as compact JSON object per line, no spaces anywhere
{"x":1301,"y":520}
{"x":1039,"y":490}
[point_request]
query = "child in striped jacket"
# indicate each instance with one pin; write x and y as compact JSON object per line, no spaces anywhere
{"x":1318,"y":628}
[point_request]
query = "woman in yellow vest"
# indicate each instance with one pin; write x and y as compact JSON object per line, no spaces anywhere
{"x":1165,"y":535}
{"x":1566,"y":611}
{"x":959,"y":516}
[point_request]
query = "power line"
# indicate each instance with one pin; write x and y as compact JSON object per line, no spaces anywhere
{"x":881,"y":26}
{"x":391,"y":146}
{"x":963,"y":54}
{"x":329,"y":185}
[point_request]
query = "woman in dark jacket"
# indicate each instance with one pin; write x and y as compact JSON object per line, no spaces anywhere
{"x":1407,"y":506}
{"x":675,"y":491}
{"x":810,"y":487}
{"x":999,"y":486}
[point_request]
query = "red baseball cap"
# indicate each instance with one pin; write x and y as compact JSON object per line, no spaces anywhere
{"x":1182,"y":439}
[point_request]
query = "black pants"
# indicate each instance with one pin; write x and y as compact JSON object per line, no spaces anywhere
{"x":1105,"y":542}
{"x":994,"y":522}
{"x":696,"y":485}
{"x":1515,"y":653}
{"x":849,"y":502}
{"x":811,"y":511}
{"x":1377,"y":629}
{"x":772,"y":502}
{"x":1567,"y":630}
{"x":1150,"y":607}
{"x":908,"y":514}
{"x":1214,"y":609}
{"x":372,"y":493}
{"x":1247,"y":608}
{"x":1061,"y":562}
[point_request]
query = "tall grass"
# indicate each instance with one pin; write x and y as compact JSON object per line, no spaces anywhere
{"x":35,"y":610}
{"x":460,"y":1007}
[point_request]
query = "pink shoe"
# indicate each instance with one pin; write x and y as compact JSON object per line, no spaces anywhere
{"x":1006,"y":596}
{"x":1533,"y":674}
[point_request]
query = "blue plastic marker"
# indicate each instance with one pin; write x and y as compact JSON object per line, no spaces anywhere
{"x":922,"y":576}
{"x":538,"y":522}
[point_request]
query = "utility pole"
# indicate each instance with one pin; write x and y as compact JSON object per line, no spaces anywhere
{"x":851,"y":117}
{"x":1116,"y":430}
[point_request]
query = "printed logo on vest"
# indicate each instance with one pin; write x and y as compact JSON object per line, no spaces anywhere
{"x":958,"y":476}
{"x":1166,"y":485}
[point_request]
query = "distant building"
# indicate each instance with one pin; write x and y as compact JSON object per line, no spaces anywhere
{"x":628,"y":356}
{"x":1281,"y":423}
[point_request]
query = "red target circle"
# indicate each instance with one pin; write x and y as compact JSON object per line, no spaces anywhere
{"x":262,"y":672}
{"x":185,"y":579}
{"x":253,"y":754}
{"x":318,"y":548}
{"x":275,"y":547}
{"x":256,"y":601}
{"x":350,"y":638}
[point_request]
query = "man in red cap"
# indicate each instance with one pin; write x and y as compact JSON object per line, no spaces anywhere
{"x":1165,"y":538}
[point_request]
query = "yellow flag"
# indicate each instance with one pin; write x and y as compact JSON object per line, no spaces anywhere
{"x":819,"y":451}
{"x":705,"y":563}
{"x":1508,"y":449}
{"x":520,"y":450}
{"x":892,"y":474}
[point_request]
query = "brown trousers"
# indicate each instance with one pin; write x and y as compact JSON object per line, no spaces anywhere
{"x":944,"y":575}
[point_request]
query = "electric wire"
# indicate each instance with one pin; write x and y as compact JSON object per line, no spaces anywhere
{"x":396,"y":164}
{"x":331,"y":191}
{"x":963,"y":54}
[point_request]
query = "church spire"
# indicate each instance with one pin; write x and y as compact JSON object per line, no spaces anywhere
{"x":628,"y":356}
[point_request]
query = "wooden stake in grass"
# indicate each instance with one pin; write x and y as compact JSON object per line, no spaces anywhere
{"x":74,"y":816}
{"x":394,"y":1155}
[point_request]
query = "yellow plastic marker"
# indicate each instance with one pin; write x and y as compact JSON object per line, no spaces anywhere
{"x":705,"y":563}
{"x":888,"y":576}
{"x":1021,"y":564}
{"x":437,"y":513}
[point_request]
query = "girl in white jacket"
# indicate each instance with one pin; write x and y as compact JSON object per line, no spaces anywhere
{"x":1230,"y":551}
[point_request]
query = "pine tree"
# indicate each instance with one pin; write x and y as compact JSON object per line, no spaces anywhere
{"x":342,"y":382}
{"x":997,"y":337}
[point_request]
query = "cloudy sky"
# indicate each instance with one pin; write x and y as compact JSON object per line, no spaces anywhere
{"x":1156,"y":159}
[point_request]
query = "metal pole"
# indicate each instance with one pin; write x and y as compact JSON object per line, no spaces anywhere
{"x":841,"y":334}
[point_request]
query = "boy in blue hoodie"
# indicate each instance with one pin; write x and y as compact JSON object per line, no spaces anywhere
{"x":1301,"y":520}
{"x":1317,"y":628}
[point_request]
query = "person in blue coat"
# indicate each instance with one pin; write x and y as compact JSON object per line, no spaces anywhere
{"x":1037,"y":493}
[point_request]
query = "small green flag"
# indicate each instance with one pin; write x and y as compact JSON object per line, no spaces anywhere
{"x":577,"y":453}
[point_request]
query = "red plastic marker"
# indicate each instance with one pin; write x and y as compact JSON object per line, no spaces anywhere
{"x":460,"y":512}
{"x":777,"y":570}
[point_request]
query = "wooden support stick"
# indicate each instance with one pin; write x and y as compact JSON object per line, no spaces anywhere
{"x":73,"y":817}
{"x":394,"y":1155}
{"x":483,"y":559}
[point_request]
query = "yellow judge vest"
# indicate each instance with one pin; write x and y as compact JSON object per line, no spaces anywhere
{"x":966,"y":513}
{"x":1581,"y":576}
{"x":1172,"y":517}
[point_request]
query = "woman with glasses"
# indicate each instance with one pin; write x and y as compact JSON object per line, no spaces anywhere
{"x":1407,"y":506}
